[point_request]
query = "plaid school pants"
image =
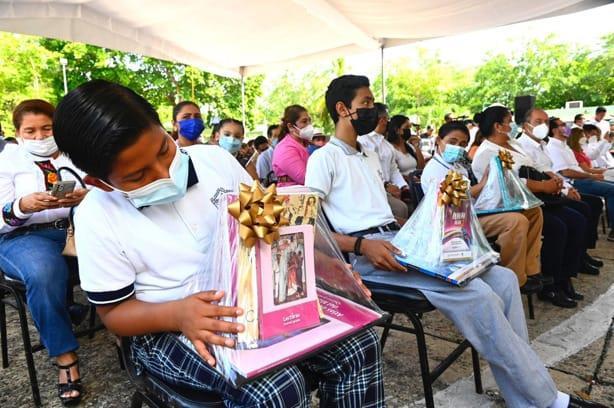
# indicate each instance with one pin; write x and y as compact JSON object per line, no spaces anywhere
{"x":349,"y":374}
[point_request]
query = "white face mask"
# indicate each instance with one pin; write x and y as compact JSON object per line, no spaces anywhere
{"x":592,"y":139}
{"x":582,"y":141}
{"x":42,"y":148}
{"x":306,"y":133}
{"x":540,"y":131}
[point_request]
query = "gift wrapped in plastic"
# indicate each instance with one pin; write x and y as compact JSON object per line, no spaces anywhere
{"x":504,"y":191}
{"x":275,"y":257}
{"x":443,"y":238}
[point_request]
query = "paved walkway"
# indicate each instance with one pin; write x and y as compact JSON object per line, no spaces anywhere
{"x":575,"y":344}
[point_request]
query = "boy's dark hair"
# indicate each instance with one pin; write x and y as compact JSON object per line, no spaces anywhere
{"x":381,"y":108}
{"x":452,"y":126}
{"x":589,"y":127}
{"x":343,"y":89}
{"x":35,"y":106}
{"x":577,"y":117}
{"x":600,"y":109}
{"x":260,"y":140}
{"x":230,"y":120}
{"x":96,"y":121}
{"x":490,"y":116}
{"x":270,"y":129}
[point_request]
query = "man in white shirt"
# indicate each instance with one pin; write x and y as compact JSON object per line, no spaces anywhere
{"x":145,"y":235}
{"x":534,"y":131}
{"x":600,"y":120}
{"x":578,"y":121}
{"x":394,"y":182}
{"x":344,"y":176}
{"x":564,"y":162}
{"x":598,"y":147}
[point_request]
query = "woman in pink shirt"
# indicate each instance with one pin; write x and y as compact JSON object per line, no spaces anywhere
{"x":290,"y":155}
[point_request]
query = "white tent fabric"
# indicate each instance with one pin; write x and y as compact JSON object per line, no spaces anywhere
{"x":243,"y":37}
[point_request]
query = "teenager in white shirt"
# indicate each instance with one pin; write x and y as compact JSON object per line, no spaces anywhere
{"x":600,"y":120}
{"x":33,"y":234}
{"x":598,"y":147}
{"x":393,"y":180}
{"x":147,"y":232}
{"x":343,"y":175}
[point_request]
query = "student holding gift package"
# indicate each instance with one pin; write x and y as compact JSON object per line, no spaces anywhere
{"x":146,"y":231}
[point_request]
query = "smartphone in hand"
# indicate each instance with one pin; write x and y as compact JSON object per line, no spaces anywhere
{"x":61,"y":188}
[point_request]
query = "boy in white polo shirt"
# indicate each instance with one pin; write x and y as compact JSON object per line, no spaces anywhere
{"x":488,"y":311}
{"x":147,"y":231}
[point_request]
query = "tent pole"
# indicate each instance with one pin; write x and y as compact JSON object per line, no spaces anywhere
{"x":382,"y":74}
{"x":242,"y":70}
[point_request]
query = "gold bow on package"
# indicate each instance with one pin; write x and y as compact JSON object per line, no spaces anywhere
{"x":259,"y":213}
{"x":506,"y":159}
{"x":453,"y":189}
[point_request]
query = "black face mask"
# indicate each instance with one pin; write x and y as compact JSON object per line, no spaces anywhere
{"x":366,"y":121}
{"x":406,"y":134}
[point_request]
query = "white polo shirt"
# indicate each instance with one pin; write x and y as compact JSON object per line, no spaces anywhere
{"x":349,"y":181}
{"x":488,"y":149}
{"x":387,"y":157}
{"x":155,"y":252}
{"x":599,"y":153}
{"x":562,"y":156}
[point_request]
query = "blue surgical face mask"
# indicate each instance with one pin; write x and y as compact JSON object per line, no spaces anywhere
{"x":452,"y":153}
{"x":191,"y":128}
{"x":274,"y":142}
{"x":230,"y":143}
{"x":163,"y":191}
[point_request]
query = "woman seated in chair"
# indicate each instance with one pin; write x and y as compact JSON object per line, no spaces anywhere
{"x":33,"y":234}
{"x":147,"y":232}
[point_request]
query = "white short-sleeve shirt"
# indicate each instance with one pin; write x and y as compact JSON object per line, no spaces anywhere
{"x":154,"y":252}
{"x":489,"y":149}
{"x":350,"y":183}
{"x":562,"y":156}
{"x":387,"y":157}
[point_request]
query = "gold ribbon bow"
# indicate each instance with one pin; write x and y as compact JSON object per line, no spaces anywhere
{"x":453,"y":189}
{"x":259,"y":213}
{"x":506,"y":159}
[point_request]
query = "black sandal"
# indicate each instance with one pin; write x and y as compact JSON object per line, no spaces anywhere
{"x":70,"y":385}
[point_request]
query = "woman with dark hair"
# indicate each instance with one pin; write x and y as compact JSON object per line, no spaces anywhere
{"x":407,"y":147}
{"x":33,"y":234}
{"x":188,"y":124}
{"x":565,"y":229}
{"x":517,"y":234}
{"x":290,"y":155}
{"x":147,"y":233}
{"x":229,"y":137}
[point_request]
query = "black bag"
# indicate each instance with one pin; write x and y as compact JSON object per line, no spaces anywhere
{"x":531,"y":173}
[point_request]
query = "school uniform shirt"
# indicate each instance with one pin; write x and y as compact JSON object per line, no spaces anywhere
{"x":22,"y":174}
{"x":349,"y":182}
{"x":387,"y":157}
{"x":488,"y":149}
{"x":603,"y":125}
{"x":157,"y":253}
{"x":264,"y":163}
{"x":599,"y":153}
{"x":436,"y":170}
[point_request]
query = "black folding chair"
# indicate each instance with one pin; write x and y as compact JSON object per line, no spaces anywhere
{"x":13,"y":294}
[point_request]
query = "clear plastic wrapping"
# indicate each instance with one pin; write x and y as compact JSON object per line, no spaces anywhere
{"x":443,"y":238}
{"x":504,"y":191}
{"x":297,"y":292}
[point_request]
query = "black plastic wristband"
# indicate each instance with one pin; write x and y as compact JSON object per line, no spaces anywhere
{"x":357,"y":246}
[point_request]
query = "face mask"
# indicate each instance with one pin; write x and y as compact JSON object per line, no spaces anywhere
{"x":452,"y":153}
{"x":42,"y":148}
{"x":540,"y":131}
{"x":366,"y":121}
{"x":163,"y":191}
{"x":406,"y":134}
{"x":230,"y":143}
{"x":582,"y":140}
{"x":566,"y":131}
{"x":191,"y":128}
{"x":592,"y":139}
{"x":306,"y":133}
{"x":274,"y":142}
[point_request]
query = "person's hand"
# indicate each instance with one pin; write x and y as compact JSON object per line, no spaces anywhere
{"x":380,"y":254}
{"x":36,"y":202}
{"x":198,"y":319}
{"x":393,"y":190}
{"x":550,"y":186}
{"x":414,"y":141}
{"x":598,"y":176}
{"x":74,"y":198}
{"x":360,"y":283}
{"x":573,"y":194}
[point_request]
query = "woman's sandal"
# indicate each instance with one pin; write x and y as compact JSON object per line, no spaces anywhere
{"x":70,"y":385}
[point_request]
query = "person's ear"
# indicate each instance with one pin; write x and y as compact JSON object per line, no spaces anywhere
{"x":341,"y":109}
{"x":96,"y":182}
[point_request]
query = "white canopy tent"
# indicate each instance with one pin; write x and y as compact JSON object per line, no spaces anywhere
{"x":242,"y":37}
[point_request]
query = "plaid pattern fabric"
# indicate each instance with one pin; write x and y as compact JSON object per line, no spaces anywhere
{"x":349,"y":374}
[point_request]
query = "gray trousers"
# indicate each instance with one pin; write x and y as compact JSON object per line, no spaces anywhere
{"x":488,"y":312}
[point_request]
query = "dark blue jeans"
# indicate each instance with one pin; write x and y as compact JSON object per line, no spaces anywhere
{"x":35,"y":258}
{"x":604,"y":189}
